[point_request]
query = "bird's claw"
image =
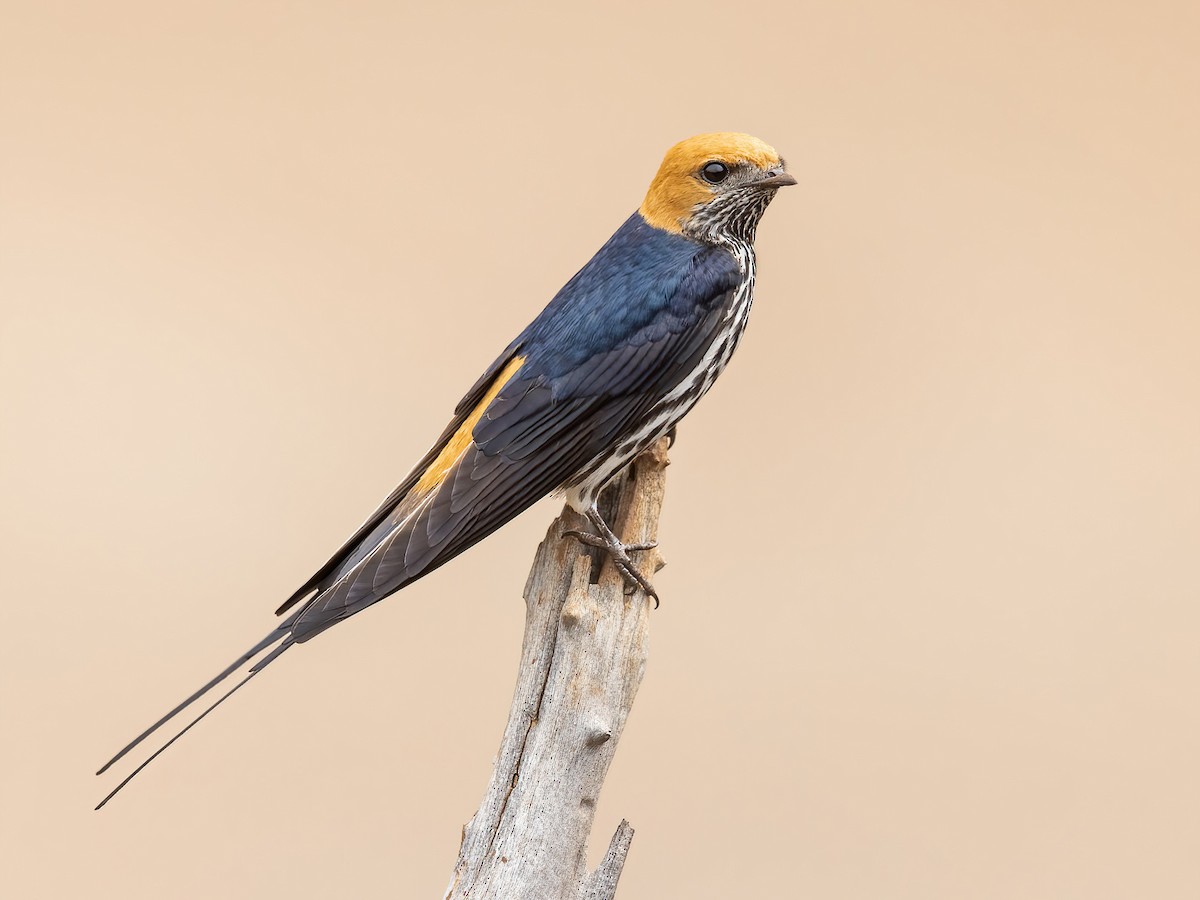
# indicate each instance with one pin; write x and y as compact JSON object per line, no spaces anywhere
{"x":594,"y":540}
{"x":635,"y":579}
{"x":620,"y":557}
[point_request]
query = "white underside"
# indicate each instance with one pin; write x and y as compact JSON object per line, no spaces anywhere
{"x":669,"y":410}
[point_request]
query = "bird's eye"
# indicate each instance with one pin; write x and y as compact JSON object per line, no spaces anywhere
{"x":715,"y":172}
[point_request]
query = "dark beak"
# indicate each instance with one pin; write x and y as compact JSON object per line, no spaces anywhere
{"x":775,"y":178}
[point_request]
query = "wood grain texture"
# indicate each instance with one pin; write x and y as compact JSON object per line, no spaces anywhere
{"x":582,"y":660}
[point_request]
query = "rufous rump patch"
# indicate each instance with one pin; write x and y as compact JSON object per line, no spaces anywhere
{"x":435,"y":473}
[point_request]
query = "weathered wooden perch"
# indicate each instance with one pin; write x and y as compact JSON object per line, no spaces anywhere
{"x":582,"y":660}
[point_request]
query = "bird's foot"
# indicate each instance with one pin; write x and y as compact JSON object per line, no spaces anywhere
{"x":611,"y":544}
{"x":594,"y":540}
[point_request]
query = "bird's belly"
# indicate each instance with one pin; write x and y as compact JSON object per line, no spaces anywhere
{"x":582,"y":491}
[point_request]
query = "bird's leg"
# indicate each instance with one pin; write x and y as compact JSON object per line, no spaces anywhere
{"x":619,"y":552}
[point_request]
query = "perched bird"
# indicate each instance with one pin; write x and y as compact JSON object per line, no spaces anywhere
{"x":616,"y":359}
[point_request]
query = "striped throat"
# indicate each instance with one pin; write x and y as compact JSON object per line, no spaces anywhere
{"x":713,"y":187}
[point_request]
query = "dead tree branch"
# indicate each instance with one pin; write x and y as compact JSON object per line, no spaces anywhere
{"x":582,"y":660}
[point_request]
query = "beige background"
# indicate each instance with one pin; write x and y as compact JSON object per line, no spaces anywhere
{"x":930,"y":623}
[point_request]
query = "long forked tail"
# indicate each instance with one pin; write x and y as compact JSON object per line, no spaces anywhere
{"x":280,"y":635}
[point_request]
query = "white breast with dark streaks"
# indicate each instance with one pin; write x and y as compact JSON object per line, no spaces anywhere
{"x":667,"y":412}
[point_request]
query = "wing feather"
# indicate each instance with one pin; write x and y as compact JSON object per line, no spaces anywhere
{"x":355,"y":542}
{"x":564,"y":407}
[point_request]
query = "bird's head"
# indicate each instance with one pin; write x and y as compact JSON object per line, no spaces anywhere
{"x":714,"y":187}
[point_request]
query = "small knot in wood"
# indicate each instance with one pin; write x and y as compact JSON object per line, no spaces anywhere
{"x":598,"y":734}
{"x":572,"y":613}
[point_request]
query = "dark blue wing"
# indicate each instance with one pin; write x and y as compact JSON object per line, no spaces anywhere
{"x":626,"y":330}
